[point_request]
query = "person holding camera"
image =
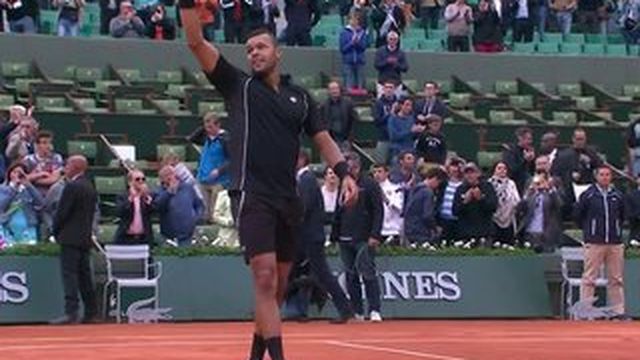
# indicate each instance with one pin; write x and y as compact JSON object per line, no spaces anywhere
{"x":134,"y":210}
{"x":127,"y":24}
{"x":69,"y":16}
{"x":160,"y":27}
{"x":20,"y":202}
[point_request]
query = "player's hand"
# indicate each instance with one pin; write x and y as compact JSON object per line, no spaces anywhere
{"x":350,"y":190}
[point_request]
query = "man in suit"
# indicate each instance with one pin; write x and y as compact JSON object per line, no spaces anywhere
{"x":72,"y":229}
{"x":311,"y":240}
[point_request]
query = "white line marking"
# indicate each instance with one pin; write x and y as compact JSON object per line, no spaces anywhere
{"x":422,"y":355}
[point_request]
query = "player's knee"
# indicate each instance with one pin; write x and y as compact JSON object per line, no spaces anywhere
{"x":265,"y":280}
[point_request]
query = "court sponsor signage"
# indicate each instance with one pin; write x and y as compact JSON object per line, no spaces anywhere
{"x":13,"y":287}
{"x":421,"y":286}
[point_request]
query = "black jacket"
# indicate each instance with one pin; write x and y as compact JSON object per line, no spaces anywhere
{"x":312,"y":229}
{"x":487,"y":27}
{"x":364,"y":219}
{"x":600,"y":218}
{"x":301,"y":15}
{"x":431,"y":147}
{"x":520,"y":168}
{"x":124,"y":211}
{"x":73,"y":221}
{"x":168,"y":26}
{"x":632,"y":209}
{"x":475,"y":218}
{"x":582,"y":162}
{"x":551,"y":207}
{"x":437,"y":108}
{"x":340,"y":128}
{"x":633,"y":134}
{"x":420,"y":215}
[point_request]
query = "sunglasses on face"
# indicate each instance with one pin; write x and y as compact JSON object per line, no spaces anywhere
{"x":140,"y":179}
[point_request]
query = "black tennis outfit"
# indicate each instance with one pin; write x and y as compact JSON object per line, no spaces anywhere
{"x":265,"y":127}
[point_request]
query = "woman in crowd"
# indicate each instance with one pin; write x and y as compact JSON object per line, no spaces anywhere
{"x":508,"y":199}
{"x":20,"y":202}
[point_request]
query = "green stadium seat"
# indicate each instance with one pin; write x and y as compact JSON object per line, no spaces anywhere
{"x":506,"y":87}
{"x":110,"y":185}
{"x":445,"y":86}
{"x":569,"y":90}
{"x":200,"y":78}
{"x":500,"y":116}
{"x":574,"y":38}
{"x":432,"y":45}
{"x":309,"y":81}
{"x":216,"y":107}
{"x":6,"y":101}
{"x":320,"y":95}
{"x":597,"y":123}
{"x":570,"y":48}
{"x":412,"y":85}
{"x":88,"y":75}
{"x":131,"y":106}
{"x":23,"y":86}
{"x":48,"y":21}
{"x":486,"y":159}
{"x":568,"y":118}
{"x":615,"y":39}
{"x":364,"y":113}
{"x":46,"y":101}
{"x":178,"y":91}
{"x":594,"y":39}
{"x":172,"y":106}
{"x":130,"y":75}
{"x":371,"y":83}
{"x":438,"y":34}
{"x":102,"y":86}
{"x":412,"y":44}
{"x":587,"y":103}
{"x":553,"y":37}
{"x":171,"y":149}
{"x":83,"y":147}
{"x":89,"y":105}
{"x":617,"y":50}
{"x":521,"y":101}
{"x":594,"y":49}
{"x":548,"y":47}
{"x":524,"y":48}
{"x":459,"y":100}
{"x":631,"y":90}
{"x":13,"y":70}
{"x":539,"y":86}
{"x":169,"y":77}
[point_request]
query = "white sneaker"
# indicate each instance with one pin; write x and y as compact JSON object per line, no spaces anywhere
{"x":375,"y":316}
{"x":358,"y":317}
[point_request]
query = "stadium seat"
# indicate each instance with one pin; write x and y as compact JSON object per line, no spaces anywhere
{"x":569,"y":90}
{"x":131,"y":106}
{"x":167,"y":149}
{"x":617,"y":50}
{"x":500,"y":116}
{"x":88,"y":75}
{"x":586,"y":103}
{"x":548,"y":47}
{"x":83,"y":147}
{"x":594,"y":39}
{"x":594,"y":49}
{"x":130,"y":75}
{"x":169,"y":77}
{"x":411,"y":84}
{"x":172,"y":106}
{"x":89,"y":105}
{"x":309,"y":82}
{"x":14,"y":70}
{"x":553,"y":37}
{"x":506,"y":87}
{"x":567,"y":118}
{"x":6,"y":100}
{"x":574,"y":38}
{"x":524,"y":48}
{"x":459,"y":100}
{"x":524,"y":102}
{"x":23,"y":86}
{"x":445,"y":87}
{"x":364,"y":113}
{"x":216,"y":107}
{"x":53,"y":104}
{"x":486,"y":159}
{"x":615,"y":39}
{"x":320,"y":95}
{"x":631,"y":90}
{"x":432,"y":45}
{"x":110,"y":185}
{"x":570,"y":48}
{"x":200,"y":78}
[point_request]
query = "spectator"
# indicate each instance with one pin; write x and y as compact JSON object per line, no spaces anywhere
{"x":362,"y":9}
{"x":108,"y":10}
{"x":420,"y":226}
{"x":429,"y":11}
{"x":161,"y":27}
{"x":214,"y":161}
{"x":430,"y":145}
{"x":21,"y":15}
{"x":16,"y":113}
{"x":549,"y":146}
{"x":69,"y":16}
{"x":487,"y":29}
{"x":44,"y":166}
{"x":564,"y":13}
{"x":404,"y":173}
{"x":182,"y":171}
{"x":179,"y":207}
{"x":519,"y":157}
{"x":539,"y":214}
{"x":588,"y":17}
{"x":381,"y":111}
{"x":223,"y":218}
{"x":629,"y":21}
{"x":236,"y":20}
{"x":576,"y":165}
{"x":400,"y":123}
{"x":523,"y":15}
{"x":302,"y":16}
{"x":508,"y":197}
{"x":393,"y":205}
{"x":21,"y":141}
{"x":329,"y":191}
{"x":73,"y":231}
{"x":431,"y":104}
{"x":358,"y":235}
{"x":127,"y":24}
{"x":600,"y":214}
{"x":390,"y":62}
{"x":632,"y":207}
{"x":339,"y":114}
{"x":386,"y":18}
{"x":474,"y":203}
{"x":354,"y":41}
{"x":459,"y":17}
{"x":263,"y":15}
{"x":311,"y":238}
{"x":447,"y":221}
{"x":208,"y":13}
{"x":134,"y":212}
{"x":541,"y":17}
{"x":20,"y":203}
{"x":633,"y":144}
{"x":543,"y":168}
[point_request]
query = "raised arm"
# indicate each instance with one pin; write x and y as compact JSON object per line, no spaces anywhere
{"x":206,"y":54}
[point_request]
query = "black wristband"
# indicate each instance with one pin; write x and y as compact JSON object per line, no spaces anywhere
{"x":341,"y":169}
{"x":186,"y":4}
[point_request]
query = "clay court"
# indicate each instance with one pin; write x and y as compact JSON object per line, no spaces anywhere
{"x":391,"y":340}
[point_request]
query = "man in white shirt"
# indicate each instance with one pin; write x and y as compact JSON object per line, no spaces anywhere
{"x":393,"y":202}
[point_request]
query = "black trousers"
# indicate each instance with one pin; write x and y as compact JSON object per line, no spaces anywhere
{"x":77,"y":277}
{"x":523,"y":30}
{"x":320,"y":268}
{"x":458,"y":43}
{"x":300,"y":37}
{"x":235,"y":32}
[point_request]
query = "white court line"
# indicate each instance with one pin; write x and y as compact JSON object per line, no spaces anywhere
{"x":422,"y":355}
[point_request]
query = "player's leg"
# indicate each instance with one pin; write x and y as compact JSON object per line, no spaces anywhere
{"x":267,"y":315}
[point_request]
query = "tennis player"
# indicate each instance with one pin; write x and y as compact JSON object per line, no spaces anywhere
{"x":267,"y":113}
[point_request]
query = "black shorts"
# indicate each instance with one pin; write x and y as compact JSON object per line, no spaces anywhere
{"x":267,"y":224}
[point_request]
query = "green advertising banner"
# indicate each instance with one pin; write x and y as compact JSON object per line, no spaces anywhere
{"x":219,"y":288}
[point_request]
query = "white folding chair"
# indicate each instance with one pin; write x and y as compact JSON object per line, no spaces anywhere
{"x":128,"y":257}
{"x":573,"y":279}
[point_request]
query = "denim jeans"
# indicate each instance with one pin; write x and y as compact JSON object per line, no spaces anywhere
{"x":564,"y":19}
{"x":352,"y":76}
{"x":542,"y":20}
{"x":67,"y":27}
{"x":24,"y":25}
{"x":349,"y":254}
